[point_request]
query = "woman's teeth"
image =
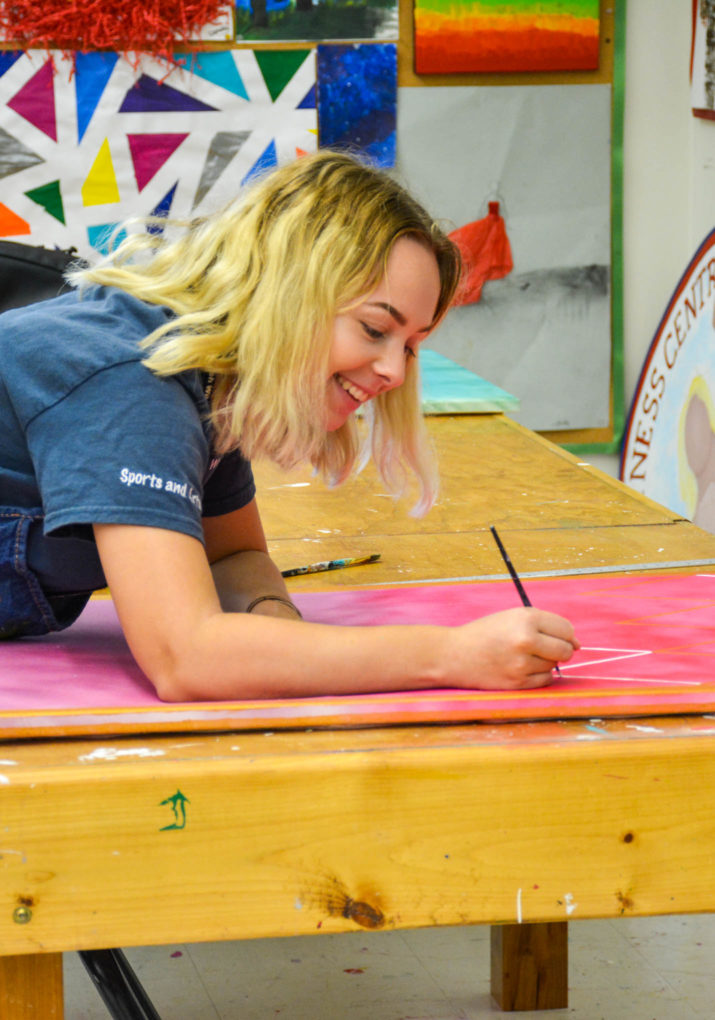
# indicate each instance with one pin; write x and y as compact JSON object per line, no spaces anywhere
{"x":355,"y":392}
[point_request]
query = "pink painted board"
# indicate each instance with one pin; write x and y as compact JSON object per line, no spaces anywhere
{"x":648,"y":649}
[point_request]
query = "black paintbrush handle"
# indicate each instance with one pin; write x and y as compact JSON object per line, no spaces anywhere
{"x":510,"y":567}
{"x":516,"y":579}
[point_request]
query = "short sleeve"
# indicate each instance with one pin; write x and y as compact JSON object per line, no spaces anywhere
{"x":230,"y":485}
{"x":123,"y":447}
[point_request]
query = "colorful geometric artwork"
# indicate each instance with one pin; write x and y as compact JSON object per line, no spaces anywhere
{"x":648,"y":648}
{"x":517,"y":35}
{"x":285,"y":20}
{"x":357,"y":99}
{"x":89,"y":141}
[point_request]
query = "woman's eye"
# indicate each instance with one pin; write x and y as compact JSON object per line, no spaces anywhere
{"x":410,"y":352}
{"x":374,"y":334}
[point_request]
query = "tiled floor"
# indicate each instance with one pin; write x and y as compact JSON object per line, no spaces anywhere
{"x":644,"y":969}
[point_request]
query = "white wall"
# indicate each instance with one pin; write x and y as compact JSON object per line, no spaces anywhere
{"x":669,"y":174}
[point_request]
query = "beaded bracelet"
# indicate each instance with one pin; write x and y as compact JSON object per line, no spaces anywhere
{"x":274,"y":598}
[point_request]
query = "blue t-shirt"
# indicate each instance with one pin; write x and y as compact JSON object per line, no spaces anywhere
{"x":91,"y":435}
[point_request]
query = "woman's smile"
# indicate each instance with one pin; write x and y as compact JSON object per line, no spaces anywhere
{"x":358,"y":394}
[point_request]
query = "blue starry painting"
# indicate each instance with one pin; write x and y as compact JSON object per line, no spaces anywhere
{"x":357,"y":99}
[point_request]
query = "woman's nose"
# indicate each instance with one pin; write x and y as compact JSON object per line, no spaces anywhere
{"x":390,"y":365}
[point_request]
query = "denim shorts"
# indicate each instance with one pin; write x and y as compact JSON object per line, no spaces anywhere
{"x":25,"y":609}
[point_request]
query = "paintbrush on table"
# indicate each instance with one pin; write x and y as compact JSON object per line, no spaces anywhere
{"x":316,"y":568}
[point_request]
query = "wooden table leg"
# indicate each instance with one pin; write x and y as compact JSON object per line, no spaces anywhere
{"x":529,"y":966}
{"x":31,"y":987}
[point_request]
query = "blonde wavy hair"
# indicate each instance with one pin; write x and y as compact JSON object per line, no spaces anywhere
{"x":255,"y":289}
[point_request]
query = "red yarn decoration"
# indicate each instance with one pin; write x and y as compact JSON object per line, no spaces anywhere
{"x":126,"y":26}
{"x":486,"y":254}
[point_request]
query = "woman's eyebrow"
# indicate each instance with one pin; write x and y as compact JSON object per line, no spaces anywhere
{"x":396,"y":315}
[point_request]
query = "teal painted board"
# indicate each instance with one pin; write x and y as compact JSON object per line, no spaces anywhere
{"x":447,"y":388}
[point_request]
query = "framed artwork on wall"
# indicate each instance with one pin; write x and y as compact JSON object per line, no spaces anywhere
{"x":453,"y":36}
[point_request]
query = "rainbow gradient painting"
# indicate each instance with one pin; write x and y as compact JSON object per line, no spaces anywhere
{"x":454,"y":36}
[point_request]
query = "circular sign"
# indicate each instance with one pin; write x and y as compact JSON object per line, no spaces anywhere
{"x":669,"y":446}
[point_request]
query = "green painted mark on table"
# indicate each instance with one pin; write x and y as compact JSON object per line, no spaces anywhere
{"x":178,"y":804}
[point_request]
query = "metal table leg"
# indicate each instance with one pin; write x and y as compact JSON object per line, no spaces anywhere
{"x":118,"y":985}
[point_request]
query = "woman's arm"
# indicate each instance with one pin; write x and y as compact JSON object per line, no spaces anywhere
{"x":190,"y":649}
{"x":242,"y":569}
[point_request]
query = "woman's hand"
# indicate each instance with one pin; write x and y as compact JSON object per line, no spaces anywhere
{"x":512,"y":650}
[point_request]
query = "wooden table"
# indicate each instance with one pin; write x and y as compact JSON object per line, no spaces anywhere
{"x":155,"y":839}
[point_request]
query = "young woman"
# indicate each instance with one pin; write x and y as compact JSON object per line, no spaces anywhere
{"x":130,"y":409}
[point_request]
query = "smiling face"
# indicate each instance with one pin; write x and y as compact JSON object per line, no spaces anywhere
{"x":373,"y":341}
